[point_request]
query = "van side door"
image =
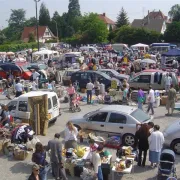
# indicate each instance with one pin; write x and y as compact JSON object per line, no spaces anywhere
{"x":55,"y":108}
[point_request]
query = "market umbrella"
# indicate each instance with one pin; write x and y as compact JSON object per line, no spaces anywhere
{"x":10,"y":66}
{"x":149,"y":61}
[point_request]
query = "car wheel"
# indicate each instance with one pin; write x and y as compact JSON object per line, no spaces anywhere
{"x":176,"y":146}
{"x":78,"y":127}
{"x":128,"y":140}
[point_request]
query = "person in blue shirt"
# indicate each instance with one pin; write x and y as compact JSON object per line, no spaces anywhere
{"x":39,"y":157}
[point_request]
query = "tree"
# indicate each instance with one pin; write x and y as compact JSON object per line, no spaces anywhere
{"x":44,"y":16}
{"x":172,"y":32}
{"x":2,"y":37}
{"x":93,"y":29}
{"x":74,"y":8}
{"x":30,"y":22}
{"x":130,"y":35}
{"x":31,"y":38}
{"x":16,"y":23}
{"x":174,"y":13}
{"x":122,"y":19}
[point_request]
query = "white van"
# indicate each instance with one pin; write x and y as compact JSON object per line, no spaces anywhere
{"x":19,"y":108}
{"x":89,"y":49}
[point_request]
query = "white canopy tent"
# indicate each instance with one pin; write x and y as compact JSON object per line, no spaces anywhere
{"x":140,"y":46}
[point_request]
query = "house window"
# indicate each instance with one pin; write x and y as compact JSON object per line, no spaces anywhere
{"x":47,"y":33}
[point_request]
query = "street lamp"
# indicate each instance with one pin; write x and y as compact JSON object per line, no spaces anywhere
{"x":57,"y":34}
{"x":37,"y":24}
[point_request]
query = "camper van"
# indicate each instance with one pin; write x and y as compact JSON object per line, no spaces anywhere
{"x":153,"y":77}
{"x":19,"y":108}
{"x":120,"y":47}
{"x":89,"y":49}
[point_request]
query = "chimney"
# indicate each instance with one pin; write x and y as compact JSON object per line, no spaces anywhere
{"x":104,"y":14}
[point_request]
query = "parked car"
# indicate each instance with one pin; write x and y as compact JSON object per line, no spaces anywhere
{"x":37,"y":66}
{"x":67,"y":76}
{"x":16,"y":69}
{"x":83,"y":77}
{"x":172,"y":136}
{"x":153,"y":77}
{"x":114,"y":120}
{"x":19,"y":106}
{"x":115,"y":74}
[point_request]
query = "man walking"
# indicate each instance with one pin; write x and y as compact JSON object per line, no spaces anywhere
{"x":151,"y":100}
{"x":89,"y":88}
{"x":171,"y":100}
{"x":168,"y":82}
{"x":56,"y":157}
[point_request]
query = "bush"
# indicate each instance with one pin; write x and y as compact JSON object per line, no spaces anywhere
{"x":17,"y":47}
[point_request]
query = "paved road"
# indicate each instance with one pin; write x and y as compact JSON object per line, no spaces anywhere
{"x":15,"y":170}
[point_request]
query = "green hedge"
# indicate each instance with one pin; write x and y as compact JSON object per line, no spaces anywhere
{"x":17,"y":47}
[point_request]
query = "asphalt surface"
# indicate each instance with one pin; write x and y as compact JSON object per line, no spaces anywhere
{"x":20,"y":170}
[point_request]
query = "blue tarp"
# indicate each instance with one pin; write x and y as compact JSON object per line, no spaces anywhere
{"x":172,"y":52}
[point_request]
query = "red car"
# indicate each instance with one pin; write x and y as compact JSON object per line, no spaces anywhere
{"x":16,"y":70}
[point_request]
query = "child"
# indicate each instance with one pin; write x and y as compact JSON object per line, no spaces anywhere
{"x":93,"y":145}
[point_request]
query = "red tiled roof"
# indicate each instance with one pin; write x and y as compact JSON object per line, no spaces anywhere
{"x":29,"y":30}
{"x":106,"y":19}
{"x":156,"y":14}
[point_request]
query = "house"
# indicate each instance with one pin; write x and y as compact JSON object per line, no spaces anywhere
{"x":155,"y":21}
{"x":45,"y":33}
{"x":107,"y":21}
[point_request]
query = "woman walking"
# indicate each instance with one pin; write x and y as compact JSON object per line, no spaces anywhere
{"x":141,"y":141}
{"x":39,"y":157}
{"x":156,"y":140}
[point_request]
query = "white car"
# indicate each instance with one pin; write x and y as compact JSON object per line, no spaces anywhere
{"x":172,"y":136}
{"x":114,"y":119}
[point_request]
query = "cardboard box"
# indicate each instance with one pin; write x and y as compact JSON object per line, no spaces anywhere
{"x":163,"y":100}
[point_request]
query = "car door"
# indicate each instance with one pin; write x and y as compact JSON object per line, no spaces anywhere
{"x":116,"y":123}
{"x":12,"y":106}
{"x":98,"y":121}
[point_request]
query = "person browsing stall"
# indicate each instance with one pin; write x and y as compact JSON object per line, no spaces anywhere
{"x":71,"y":134}
{"x":39,"y":157}
{"x":55,"y":148}
{"x":89,"y":88}
{"x":19,"y":88}
{"x":96,"y":161}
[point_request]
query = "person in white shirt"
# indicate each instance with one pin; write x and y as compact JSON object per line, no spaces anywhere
{"x":19,"y":88}
{"x":151,"y":100}
{"x":167,"y":82}
{"x":89,"y":88}
{"x":35,"y":76}
{"x":156,"y":141}
{"x":71,"y":134}
{"x":96,"y":161}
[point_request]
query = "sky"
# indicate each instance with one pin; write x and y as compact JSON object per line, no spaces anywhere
{"x":136,"y":9}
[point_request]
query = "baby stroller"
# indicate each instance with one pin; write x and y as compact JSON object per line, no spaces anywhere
{"x":74,"y":104}
{"x":167,"y":164}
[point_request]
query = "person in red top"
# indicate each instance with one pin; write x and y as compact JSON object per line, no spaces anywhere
{"x":71,"y":91}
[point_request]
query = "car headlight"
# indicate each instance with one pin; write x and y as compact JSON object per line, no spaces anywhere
{"x":165,"y":134}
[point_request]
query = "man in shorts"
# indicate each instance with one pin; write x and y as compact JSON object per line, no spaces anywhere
{"x":171,"y":100}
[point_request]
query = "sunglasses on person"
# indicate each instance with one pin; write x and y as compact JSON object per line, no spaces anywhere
{"x":36,"y":170}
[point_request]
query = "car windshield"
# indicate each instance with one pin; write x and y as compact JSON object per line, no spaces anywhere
{"x":25,"y":68}
{"x":90,"y":113}
{"x":140,"y":115}
{"x":105,"y":75}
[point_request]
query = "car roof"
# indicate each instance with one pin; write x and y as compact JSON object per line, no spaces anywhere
{"x":119,"y":109}
{"x":37,"y":93}
{"x":72,"y":70}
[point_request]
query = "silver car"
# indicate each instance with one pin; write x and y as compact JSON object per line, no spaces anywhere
{"x":114,"y":119}
{"x":172,"y":136}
